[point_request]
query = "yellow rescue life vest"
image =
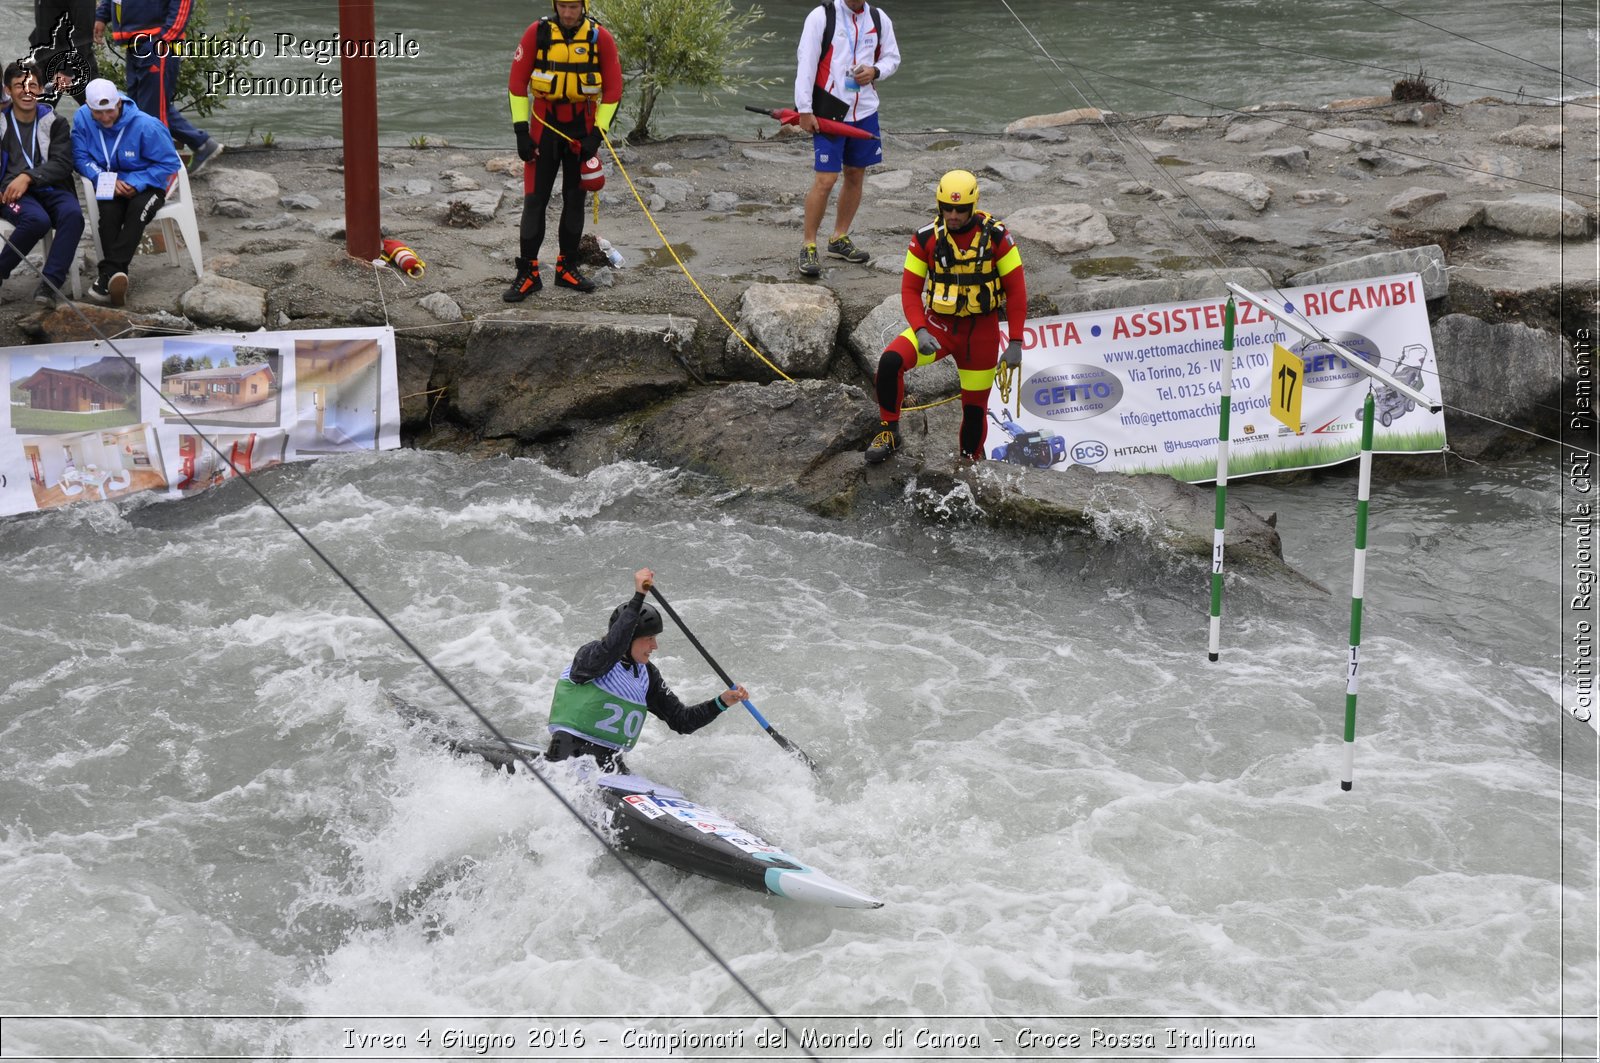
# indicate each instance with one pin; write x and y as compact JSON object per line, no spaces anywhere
{"x":566,"y":69}
{"x":964,"y":283}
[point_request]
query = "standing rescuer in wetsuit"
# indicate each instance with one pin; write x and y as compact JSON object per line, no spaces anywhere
{"x":961,"y":273}
{"x":568,"y":65}
{"x":601,"y":699}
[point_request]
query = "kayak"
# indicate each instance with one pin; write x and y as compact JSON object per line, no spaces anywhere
{"x":660,"y":823}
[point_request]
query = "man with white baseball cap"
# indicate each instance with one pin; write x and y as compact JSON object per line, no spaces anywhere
{"x":129,"y":158}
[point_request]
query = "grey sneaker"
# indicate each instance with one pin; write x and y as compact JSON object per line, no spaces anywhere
{"x":809,"y":266}
{"x":204,"y":154}
{"x":43,"y":295}
{"x":843,"y":247}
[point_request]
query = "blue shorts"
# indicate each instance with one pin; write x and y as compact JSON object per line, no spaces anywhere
{"x":834,"y":153}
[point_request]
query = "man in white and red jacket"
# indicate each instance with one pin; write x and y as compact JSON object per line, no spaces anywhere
{"x":846,"y":48}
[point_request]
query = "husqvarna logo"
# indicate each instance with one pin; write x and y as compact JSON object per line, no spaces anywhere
{"x":1089,"y":452}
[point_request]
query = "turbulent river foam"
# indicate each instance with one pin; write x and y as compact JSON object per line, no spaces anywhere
{"x":207,"y":809}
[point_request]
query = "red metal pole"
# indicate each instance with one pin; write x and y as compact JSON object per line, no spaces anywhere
{"x":359,"y":100}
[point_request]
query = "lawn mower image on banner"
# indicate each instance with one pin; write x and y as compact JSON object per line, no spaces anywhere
{"x":1389,"y":405}
{"x":1026,"y":447}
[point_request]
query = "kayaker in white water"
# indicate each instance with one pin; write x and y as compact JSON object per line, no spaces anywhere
{"x":601,"y":699}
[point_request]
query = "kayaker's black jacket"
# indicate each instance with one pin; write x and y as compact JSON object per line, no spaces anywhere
{"x":595,"y":659}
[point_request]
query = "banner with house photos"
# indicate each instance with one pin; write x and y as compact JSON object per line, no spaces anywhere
{"x":83,"y":424}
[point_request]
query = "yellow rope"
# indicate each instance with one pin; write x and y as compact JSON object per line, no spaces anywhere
{"x":1004,"y":378}
{"x":930,"y":405}
{"x":673,"y":252}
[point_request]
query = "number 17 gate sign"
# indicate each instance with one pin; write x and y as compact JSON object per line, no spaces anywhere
{"x":1139,"y":390}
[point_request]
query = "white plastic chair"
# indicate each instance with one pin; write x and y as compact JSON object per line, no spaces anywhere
{"x":69,"y":483}
{"x":176,"y":215}
{"x":43,"y":247}
{"x":119,"y":481}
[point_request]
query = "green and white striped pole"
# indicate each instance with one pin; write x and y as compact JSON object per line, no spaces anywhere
{"x":1357,"y":589}
{"x":1224,"y":431}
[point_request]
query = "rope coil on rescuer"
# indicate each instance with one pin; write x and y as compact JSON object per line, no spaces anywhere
{"x":1005,"y":375}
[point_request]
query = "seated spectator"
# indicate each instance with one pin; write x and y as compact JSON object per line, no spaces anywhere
{"x":129,"y":158}
{"x":36,"y":193}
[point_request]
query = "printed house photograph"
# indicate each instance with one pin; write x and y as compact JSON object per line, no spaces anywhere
{"x":207,"y":464}
{"x":337,"y":393}
{"x":221,"y":384}
{"x":72,"y":394}
{"x":93,"y":466}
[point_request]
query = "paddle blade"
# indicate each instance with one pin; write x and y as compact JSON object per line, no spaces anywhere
{"x":789,"y":747}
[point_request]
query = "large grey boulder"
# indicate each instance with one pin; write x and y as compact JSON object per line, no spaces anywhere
{"x":794,"y":325}
{"x":1178,"y":287}
{"x":1248,"y":131}
{"x":1293,"y":159}
{"x":1544,"y":214}
{"x":1414,"y":201}
{"x":729,"y":433}
{"x":1247,"y":188}
{"x":1485,"y":168}
{"x":1018,"y":170}
{"x":674,"y":192}
{"x":1507,"y":373}
{"x":873,"y":333}
{"x":528,"y":379}
{"x":1428,"y":261}
{"x":246,"y":186}
{"x":221,"y":302}
{"x":889,"y":181}
{"x":472,"y":210}
{"x":1172,"y":517}
{"x":797,"y":440}
{"x":1076,"y":116}
{"x":1063,"y":227}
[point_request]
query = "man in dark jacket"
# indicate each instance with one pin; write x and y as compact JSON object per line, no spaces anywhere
{"x":36,"y":193}
{"x":601,"y":699}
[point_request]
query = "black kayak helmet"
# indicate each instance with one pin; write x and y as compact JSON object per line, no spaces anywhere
{"x":649,"y":621}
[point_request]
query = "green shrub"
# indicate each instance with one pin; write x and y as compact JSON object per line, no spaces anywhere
{"x":699,"y":44}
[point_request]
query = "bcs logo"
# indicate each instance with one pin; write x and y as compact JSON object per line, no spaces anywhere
{"x":1089,"y":452}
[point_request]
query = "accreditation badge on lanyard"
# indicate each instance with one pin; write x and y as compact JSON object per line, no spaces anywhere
{"x":105,"y":185}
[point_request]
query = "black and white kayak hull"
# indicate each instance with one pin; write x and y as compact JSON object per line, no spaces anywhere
{"x":659,"y":822}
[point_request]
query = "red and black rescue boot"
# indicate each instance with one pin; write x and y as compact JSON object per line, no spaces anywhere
{"x":567,"y":277}
{"x":885,"y":443}
{"x":527,"y":281}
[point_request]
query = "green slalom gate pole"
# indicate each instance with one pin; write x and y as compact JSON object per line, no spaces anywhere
{"x":1229,"y":315}
{"x":1358,"y":582}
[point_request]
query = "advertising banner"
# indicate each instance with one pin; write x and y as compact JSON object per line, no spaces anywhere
{"x":1138,"y":390}
{"x":85,"y":425}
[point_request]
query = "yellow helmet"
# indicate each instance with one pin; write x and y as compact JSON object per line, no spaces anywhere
{"x":958,"y":188}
